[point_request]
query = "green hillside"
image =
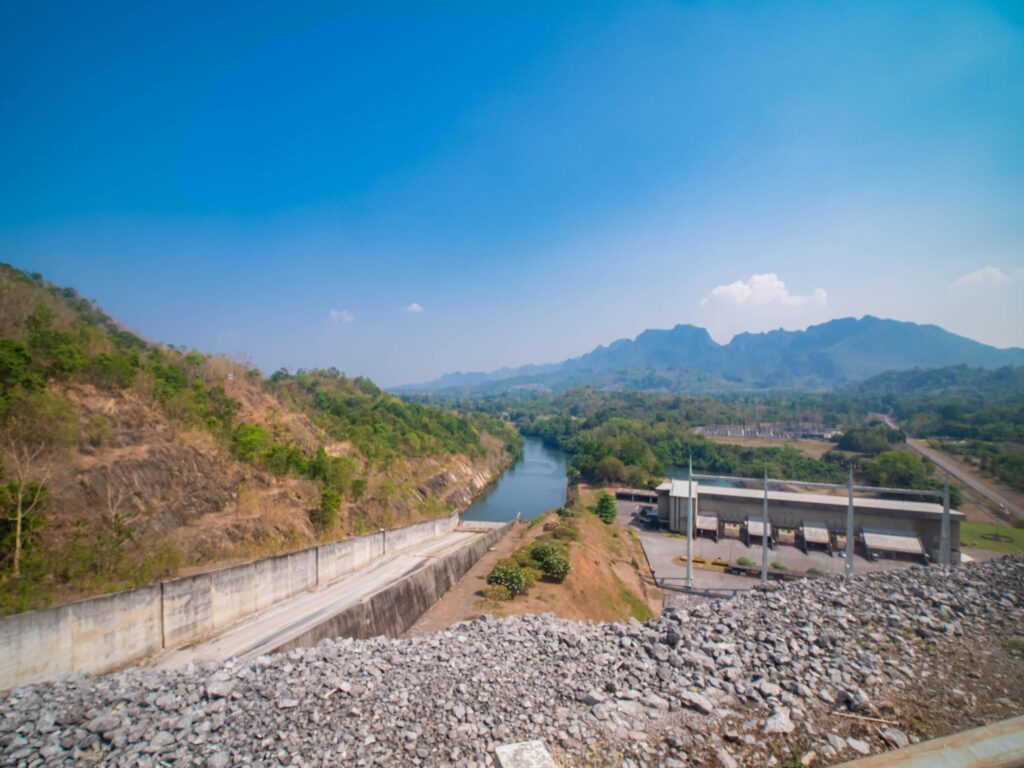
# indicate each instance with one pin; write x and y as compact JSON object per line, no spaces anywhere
{"x":124,"y":460}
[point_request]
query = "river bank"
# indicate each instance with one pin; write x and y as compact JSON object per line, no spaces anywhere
{"x":531,"y":486}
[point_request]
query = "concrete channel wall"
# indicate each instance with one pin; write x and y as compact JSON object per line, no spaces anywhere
{"x":105,"y":633}
{"x":394,"y":609}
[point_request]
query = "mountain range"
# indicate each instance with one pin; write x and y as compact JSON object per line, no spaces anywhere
{"x":687,"y":358}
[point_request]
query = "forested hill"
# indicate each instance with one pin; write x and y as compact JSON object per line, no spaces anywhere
{"x":1001,"y":384}
{"x":976,"y":413}
{"x":124,"y":460}
{"x":686,"y":358}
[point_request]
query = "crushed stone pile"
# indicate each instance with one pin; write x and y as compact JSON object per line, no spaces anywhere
{"x":723,"y":683}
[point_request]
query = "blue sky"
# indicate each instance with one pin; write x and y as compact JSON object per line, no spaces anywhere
{"x":401,"y":192}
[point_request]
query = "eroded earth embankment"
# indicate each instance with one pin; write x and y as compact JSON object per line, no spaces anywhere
{"x":783,"y":672}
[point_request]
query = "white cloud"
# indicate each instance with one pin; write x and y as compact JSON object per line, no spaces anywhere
{"x":339,"y":316}
{"x":414,"y":308}
{"x":991,"y":275}
{"x":761,"y":291}
{"x":759,"y":304}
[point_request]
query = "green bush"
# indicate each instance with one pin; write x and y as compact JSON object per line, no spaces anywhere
{"x":326,"y":515}
{"x":605,"y":507}
{"x":779,"y":566}
{"x":557,"y":567}
{"x":744,"y":561}
{"x":497,"y":593}
{"x":815,"y":572}
{"x":510,"y":577}
{"x":542,"y":550}
{"x":523,"y":559}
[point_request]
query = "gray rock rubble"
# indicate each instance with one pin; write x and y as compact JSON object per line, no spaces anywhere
{"x":728,"y":682}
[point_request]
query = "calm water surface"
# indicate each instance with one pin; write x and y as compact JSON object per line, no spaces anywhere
{"x":532,"y":485}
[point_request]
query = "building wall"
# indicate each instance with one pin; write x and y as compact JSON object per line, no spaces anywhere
{"x":789,"y":515}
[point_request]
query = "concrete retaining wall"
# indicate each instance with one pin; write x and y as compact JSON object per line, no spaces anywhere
{"x":395,"y":608}
{"x":105,"y":633}
{"x":344,"y":557}
{"x":124,"y":625}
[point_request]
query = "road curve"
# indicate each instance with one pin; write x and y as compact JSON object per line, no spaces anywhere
{"x":944,"y":462}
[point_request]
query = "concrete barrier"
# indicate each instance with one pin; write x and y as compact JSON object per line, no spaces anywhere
{"x":394,"y":609}
{"x":187,"y":609}
{"x":232,"y":595}
{"x":105,"y":633}
{"x":402,"y":538}
{"x":278,"y":578}
{"x":344,"y":557}
{"x":35,"y":646}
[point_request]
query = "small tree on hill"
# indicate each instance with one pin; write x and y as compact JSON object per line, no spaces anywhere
{"x":605,"y":508}
{"x":509,"y":576}
{"x":37,"y":433}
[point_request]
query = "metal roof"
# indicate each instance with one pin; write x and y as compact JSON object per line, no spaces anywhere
{"x":816,"y":533}
{"x":681,"y":488}
{"x":893,"y":541}
{"x":860,"y":504}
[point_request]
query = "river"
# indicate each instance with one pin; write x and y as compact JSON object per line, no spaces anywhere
{"x":534,"y":484}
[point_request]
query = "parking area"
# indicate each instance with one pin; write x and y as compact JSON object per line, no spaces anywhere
{"x":665,"y":550}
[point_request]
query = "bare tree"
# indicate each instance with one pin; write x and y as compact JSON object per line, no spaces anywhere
{"x":38,"y":430}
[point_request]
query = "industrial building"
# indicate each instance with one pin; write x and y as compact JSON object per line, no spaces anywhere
{"x":882,"y":527}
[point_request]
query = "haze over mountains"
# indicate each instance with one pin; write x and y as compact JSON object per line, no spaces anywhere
{"x":686,"y":357}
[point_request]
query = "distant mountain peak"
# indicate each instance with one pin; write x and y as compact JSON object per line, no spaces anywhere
{"x":686,"y":357}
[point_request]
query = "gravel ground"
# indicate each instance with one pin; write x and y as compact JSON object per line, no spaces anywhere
{"x":753,"y":681}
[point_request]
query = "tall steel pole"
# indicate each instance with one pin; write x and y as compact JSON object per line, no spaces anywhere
{"x":944,"y":543}
{"x":849,"y":524}
{"x":689,"y":526}
{"x":764,"y":530}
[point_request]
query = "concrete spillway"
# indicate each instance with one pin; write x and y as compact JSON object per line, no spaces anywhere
{"x":368,"y":585}
{"x":384,"y":598}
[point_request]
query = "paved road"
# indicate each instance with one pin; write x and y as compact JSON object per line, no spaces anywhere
{"x":944,"y":462}
{"x":261,"y":633}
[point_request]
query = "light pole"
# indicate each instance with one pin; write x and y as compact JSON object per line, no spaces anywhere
{"x":944,"y":547}
{"x":764,"y":530}
{"x":689,"y":526}
{"x":849,"y":524}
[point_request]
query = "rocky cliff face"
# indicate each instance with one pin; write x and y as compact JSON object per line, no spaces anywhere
{"x":834,"y":668}
{"x":179,"y":490}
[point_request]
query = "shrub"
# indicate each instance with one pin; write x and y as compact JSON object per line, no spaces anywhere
{"x":779,"y":566}
{"x":507,"y":562}
{"x":497,"y":592}
{"x":326,"y":515}
{"x":510,"y":577}
{"x":815,"y":572}
{"x":523,"y":559}
{"x":605,"y":507}
{"x":557,"y":567}
{"x":635,"y":564}
{"x":744,"y":561}
{"x":541,"y":551}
